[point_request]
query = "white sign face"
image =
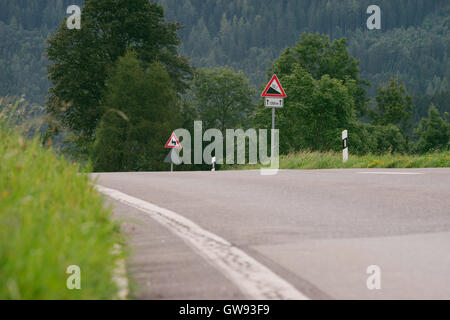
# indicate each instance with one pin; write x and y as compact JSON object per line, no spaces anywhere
{"x":344,"y":134}
{"x":274,"y":103}
{"x":173,"y":142}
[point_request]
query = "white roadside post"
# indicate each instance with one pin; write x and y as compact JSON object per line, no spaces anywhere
{"x":274,"y":98}
{"x":213,"y":164}
{"x":345,"y":146}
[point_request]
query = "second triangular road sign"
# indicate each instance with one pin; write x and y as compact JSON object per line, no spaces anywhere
{"x":274,"y":89}
{"x":173,"y":142}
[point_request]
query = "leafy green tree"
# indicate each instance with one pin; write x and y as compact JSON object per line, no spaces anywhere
{"x":140,"y":111}
{"x":433,"y":132}
{"x":394,"y":106}
{"x":315,"y":112}
{"x":82,"y":59}
{"x":223,"y":98}
{"x":386,"y":139}
{"x":110,"y":146}
{"x":422,"y":104}
{"x":318,"y":56}
{"x":367,"y":138}
{"x":412,"y":47}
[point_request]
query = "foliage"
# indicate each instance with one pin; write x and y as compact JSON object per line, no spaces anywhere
{"x":24,"y":27}
{"x":433,"y":132}
{"x":422,"y":104}
{"x":247,"y":35}
{"x":22,"y":115}
{"x":411,"y":47}
{"x":394,"y":106}
{"x":318,"y":56}
{"x":376,"y":139}
{"x":414,"y":54}
{"x":51,"y":218}
{"x":223,"y":98}
{"x":141,"y":110}
{"x":333,"y":160}
{"x":319,"y":105}
{"x":82,"y":59}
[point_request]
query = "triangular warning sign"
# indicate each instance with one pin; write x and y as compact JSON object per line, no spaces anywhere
{"x":274,"y":89}
{"x":173,"y":142}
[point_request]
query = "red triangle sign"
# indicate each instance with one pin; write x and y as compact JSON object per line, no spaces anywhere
{"x":173,"y":142}
{"x":274,"y":89}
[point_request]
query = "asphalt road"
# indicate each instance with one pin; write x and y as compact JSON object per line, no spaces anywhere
{"x":317,"y":230}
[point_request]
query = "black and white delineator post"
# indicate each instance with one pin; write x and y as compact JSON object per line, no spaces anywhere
{"x":213,"y":164}
{"x":345,"y":146}
{"x":274,"y":98}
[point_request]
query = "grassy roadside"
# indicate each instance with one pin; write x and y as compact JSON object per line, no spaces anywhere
{"x":333,"y":160}
{"x":51,"y":218}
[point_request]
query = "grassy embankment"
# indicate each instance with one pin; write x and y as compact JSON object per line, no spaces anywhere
{"x":333,"y":160}
{"x":51,"y":218}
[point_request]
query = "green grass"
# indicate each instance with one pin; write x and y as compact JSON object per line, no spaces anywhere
{"x":333,"y":160}
{"x":51,"y":218}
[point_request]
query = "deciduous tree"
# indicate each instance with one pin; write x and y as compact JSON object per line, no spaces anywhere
{"x":433,"y":132}
{"x":140,"y":111}
{"x":82,"y":59}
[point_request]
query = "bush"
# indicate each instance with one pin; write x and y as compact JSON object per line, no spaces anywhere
{"x":141,"y":111}
{"x":433,"y":133}
{"x":376,"y":139}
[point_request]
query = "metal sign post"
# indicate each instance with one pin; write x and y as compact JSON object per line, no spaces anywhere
{"x":274,"y":94}
{"x":272,"y":137}
{"x":172,"y":157}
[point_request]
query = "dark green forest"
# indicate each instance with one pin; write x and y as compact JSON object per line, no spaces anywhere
{"x":412,"y":46}
{"x":394,"y":77}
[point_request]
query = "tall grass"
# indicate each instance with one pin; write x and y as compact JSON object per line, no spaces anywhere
{"x":333,"y":160}
{"x":50,"y":218}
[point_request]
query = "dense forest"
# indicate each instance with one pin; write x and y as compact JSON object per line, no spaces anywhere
{"x":412,"y":45}
{"x":234,"y":42}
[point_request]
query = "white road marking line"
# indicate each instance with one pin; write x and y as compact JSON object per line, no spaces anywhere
{"x":393,"y":173}
{"x":254,"y":279}
{"x":120,"y":275}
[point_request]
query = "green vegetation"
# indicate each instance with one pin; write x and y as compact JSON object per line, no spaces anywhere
{"x":248,"y":35}
{"x":319,"y":56}
{"x":103,"y":103}
{"x":222,"y":98}
{"x":333,"y":160}
{"x":433,"y":132}
{"x":322,"y":84}
{"x":141,"y":110}
{"x":23,"y":115}
{"x":82,"y":60}
{"x":394,"y":106}
{"x":326,"y":96}
{"x":51,"y":218}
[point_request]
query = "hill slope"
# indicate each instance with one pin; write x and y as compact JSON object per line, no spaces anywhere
{"x":413,"y":44}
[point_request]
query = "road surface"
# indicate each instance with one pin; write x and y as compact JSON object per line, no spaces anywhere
{"x":313,"y":232}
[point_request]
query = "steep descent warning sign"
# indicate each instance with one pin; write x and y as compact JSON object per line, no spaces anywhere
{"x":173,"y":142}
{"x":274,"y":89}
